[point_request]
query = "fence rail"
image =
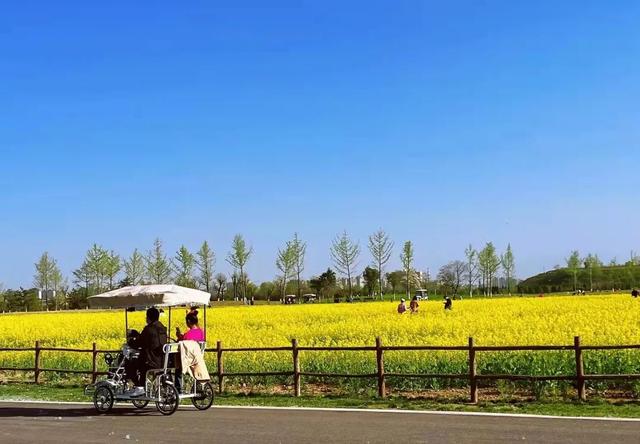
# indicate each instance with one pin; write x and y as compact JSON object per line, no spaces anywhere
{"x":472,"y":375}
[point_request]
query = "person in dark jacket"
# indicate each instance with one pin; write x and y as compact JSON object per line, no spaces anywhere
{"x":151,"y":341}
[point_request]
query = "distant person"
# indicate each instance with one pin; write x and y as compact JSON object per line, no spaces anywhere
{"x":402,"y":307}
{"x":448,"y":303}
{"x":635,"y":293}
{"x":413,"y":305}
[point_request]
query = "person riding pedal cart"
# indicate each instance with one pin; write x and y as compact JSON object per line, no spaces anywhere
{"x":150,"y":343}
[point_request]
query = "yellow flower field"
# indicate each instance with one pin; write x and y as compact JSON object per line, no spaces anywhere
{"x":506,"y":321}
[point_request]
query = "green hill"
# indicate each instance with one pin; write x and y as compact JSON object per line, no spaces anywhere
{"x":619,"y":277}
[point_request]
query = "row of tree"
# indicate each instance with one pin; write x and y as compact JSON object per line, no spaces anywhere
{"x":103,"y":270}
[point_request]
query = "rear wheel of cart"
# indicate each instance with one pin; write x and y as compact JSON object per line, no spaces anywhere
{"x":204,"y":395}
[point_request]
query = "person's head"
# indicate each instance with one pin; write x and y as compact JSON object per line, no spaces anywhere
{"x":635,"y":293}
{"x":152,"y":315}
{"x":415,"y":298}
{"x":192,"y":318}
{"x":402,"y":301}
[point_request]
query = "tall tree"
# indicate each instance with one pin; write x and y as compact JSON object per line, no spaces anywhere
{"x":573,"y":265}
{"x":370,"y":276}
{"x":472,"y":267}
{"x":158,"y":266}
{"x":406,"y":258}
{"x":47,"y":272}
{"x":488,"y":262}
{"x":97,"y":260}
{"x":299,"y":249}
{"x":113,"y":265}
{"x":205,"y":260}
{"x":238,"y":258}
{"x":381,"y":247}
{"x":508,"y":265}
{"x":394,"y":279}
{"x":285,"y":262}
{"x":221,"y":285}
{"x":184,"y":264}
{"x":592,"y":263}
{"x":82,"y":276}
{"x":345,"y":253}
{"x":134,"y":268}
{"x":326,"y":283}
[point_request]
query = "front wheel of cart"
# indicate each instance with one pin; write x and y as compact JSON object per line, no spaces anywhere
{"x":204,"y":395}
{"x":139,"y":403}
{"x":168,"y":399}
{"x":103,"y":399}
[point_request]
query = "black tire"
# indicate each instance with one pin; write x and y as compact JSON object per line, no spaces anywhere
{"x":204,"y":396}
{"x":103,"y":399}
{"x":139,"y":403}
{"x":169,"y":399}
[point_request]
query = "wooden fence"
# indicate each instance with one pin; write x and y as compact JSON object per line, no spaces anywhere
{"x":472,"y":376}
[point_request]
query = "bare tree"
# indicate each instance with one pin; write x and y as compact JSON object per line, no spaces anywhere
{"x":238,"y":258}
{"x":381,"y":248}
{"x":299,"y":250}
{"x":344,"y":253}
{"x":221,"y":285}
{"x":406,"y":257}
{"x":285,"y":262}
{"x":508,"y":265}
{"x":451,"y":275}
{"x":472,"y":267}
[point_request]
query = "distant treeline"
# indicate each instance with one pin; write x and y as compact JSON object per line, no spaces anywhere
{"x":586,"y":279}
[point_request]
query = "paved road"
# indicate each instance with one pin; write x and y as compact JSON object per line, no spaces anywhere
{"x":48,"y":423}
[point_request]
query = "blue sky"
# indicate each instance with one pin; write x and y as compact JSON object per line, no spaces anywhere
{"x":446,"y":123}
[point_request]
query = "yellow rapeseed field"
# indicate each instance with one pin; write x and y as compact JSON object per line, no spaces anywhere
{"x":598,"y":320}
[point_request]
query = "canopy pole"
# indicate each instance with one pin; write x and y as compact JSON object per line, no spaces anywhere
{"x":205,"y":323}
{"x":126,"y":322}
{"x":169,"y":332}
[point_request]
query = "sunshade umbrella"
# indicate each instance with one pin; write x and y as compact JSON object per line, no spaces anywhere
{"x":149,"y":295}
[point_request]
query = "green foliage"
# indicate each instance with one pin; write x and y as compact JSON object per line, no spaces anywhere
{"x":566,"y":279}
{"x":134,"y":268}
{"x":371,"y":276}
{"x":158,"y":266}
{"x":184,"y":264}
{"x":205,"y":260}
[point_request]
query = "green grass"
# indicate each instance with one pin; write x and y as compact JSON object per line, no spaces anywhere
{"x":593,"y":407}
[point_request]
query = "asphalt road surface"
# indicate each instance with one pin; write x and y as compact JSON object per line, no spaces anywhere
{"x":49,"y":423}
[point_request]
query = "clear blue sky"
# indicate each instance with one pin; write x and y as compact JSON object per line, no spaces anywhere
{"x":446,"y":123}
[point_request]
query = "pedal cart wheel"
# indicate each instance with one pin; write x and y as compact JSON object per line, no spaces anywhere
{"x":204,"y":395}
{"x":168,"y":400}
{"x":139,"y":403}
{"x":103,"y":399}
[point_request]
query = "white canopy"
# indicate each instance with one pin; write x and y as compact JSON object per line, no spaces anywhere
{"x":149,"y":295}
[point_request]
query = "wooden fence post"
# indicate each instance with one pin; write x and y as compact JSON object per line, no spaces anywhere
{"x":36,"y":367}
{"x":580,"y":381}
{"x":296,"y":367}
{"x":94,"y":366}
{"x":473,"y":381}
{"x":380,"y":362}
{"x":220,"y":367}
